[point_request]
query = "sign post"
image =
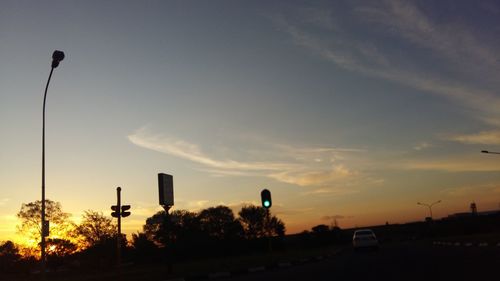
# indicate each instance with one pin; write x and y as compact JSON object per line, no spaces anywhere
{"x":166,"y":196}
{"x":119,"y":211}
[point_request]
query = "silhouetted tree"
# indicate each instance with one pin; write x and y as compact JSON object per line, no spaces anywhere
{"x":219,"y":223}
{"x":57,"y":250}
{"x":100,"y":255}
{"x":321,"y":233}
{"x":30,"y":217}
{"x":155,"y":228}
{"x":275,"y":227}
{"x":320,"y":229}
{"x":60,"y":247}
{"x":180,"y":225}
{"x":9,"y":256}
{"x":144,"y":248}
{"x":257,"y":222}
{"x":95,"y":228}
{"x":252,"y":220}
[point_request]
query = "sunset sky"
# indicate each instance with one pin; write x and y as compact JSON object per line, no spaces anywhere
{"x":354,"y":110}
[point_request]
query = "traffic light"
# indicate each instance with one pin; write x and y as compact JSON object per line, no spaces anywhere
{"x":265,"y":195}
{"x":124,"y":209}
{"x":116,"y":211}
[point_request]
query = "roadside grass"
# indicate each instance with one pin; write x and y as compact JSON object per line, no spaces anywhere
{"x":490,"y":238}
{"x":159,"y":271}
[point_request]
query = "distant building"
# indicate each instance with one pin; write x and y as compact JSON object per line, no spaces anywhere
{"x":470,"y":214}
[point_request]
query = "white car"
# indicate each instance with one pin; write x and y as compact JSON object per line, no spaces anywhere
{"x":364,"y":239}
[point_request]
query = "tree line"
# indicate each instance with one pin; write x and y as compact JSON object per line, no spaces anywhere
{"x":180,"y":235}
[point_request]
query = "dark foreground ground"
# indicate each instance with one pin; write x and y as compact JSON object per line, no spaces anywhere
{"x":399,"y":261}
{"x":410,"y":260}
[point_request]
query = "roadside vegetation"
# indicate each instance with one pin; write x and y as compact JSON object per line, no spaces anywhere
{"x":188,"y":243}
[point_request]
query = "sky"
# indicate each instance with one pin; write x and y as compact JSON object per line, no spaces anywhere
{"x":351,"y":111}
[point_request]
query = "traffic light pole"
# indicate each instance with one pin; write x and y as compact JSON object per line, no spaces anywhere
{"x":269,"y":233}
{"x":265,"y":196}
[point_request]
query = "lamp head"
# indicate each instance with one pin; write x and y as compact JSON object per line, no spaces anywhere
{"x":57,"y":57}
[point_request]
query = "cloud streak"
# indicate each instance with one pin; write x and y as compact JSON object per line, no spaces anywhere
{"x":467,"y":163}
{"x":193,"y":153}
{"x":484,"y":137}
{"x":4,"y":201}
{"x":303,"y":166}
{"x":454,"y":43}
{"x":308,"y":178}
{"x":422,"y":146}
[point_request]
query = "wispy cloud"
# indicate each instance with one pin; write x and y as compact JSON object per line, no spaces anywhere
{"x":422,"y":146}
{"x":307,"y":178}
{"x":336,"y":217}
{"x":459,"y":163}
{"x":331,"y":191}
{"x":192,"y":152}
{"x":3,"y":201}
{"x":455,"y":43}
{"x":470,"y":191}
{"x":484,"y":137}
{"x":314,"y":166}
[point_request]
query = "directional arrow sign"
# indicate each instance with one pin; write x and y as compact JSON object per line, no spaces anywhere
{"x":116,"y":212}
{"x":124,"y":209}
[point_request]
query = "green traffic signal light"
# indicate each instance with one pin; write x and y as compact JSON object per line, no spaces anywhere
{"x":265,"y":196}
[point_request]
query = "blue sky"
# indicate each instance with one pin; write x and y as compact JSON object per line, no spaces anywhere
{"x":353,"y":110}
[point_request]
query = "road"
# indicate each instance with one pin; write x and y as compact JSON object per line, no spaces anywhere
{"x":402,"y":261}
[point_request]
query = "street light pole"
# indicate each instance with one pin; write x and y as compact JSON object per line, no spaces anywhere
{"x":429,"y":206}
{"x":57,"y":57}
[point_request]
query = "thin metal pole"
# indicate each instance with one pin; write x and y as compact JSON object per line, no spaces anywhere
{"x":269,"y":231}
{"x":170,"y":253}
{"x":429,"y":206}
{"x":43,"y":258}
{"x":119,"y":237}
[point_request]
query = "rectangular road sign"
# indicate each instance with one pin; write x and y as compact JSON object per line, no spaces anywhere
{"x":166,"y":189}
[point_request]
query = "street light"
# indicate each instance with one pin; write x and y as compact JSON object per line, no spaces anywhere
{"x":57,"y":57}
{"x":489,"y":152}
{"x":429,"y":206}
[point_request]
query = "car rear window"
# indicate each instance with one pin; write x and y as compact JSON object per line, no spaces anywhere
{"x":364,"y":232}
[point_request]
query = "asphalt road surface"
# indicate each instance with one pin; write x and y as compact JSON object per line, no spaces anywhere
{"x":403,"y":261}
